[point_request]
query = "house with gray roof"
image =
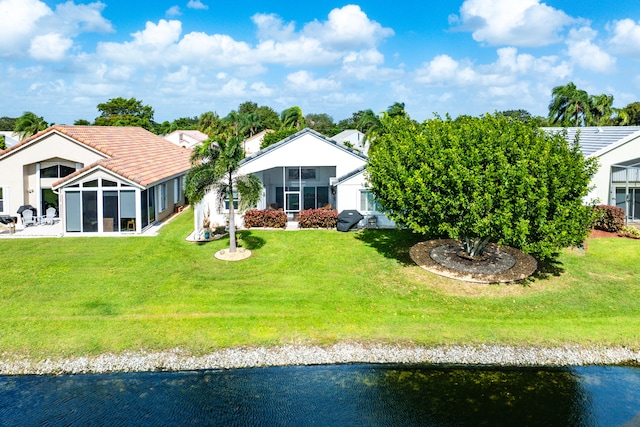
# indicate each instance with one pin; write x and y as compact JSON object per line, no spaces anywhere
{"x":617,"y":148}
{"x":304,"y":171}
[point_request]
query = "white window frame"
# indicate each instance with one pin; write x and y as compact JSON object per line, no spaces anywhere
{"x":370,"y":202}
{"x":177,"y":190}
{"x":163,"y":202}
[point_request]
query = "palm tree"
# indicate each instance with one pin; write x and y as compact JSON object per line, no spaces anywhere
{"x":214,"y":167}
{"x":292,"y":117}
{"x":601,"y":110}
{"x":569,"y":105}
{"x":29,"y":124}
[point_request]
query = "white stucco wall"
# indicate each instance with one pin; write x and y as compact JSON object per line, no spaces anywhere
{"x":349,"y":198}
{"x":19,"y":169}
{"x":602,"y":179}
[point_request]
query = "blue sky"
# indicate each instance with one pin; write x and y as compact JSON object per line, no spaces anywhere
{"x":60,"y":59}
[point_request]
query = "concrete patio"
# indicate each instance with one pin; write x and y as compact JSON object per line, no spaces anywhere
{"x":55,"y":230}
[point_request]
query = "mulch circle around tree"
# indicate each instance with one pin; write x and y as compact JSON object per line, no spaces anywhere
{"x":498,"y":264}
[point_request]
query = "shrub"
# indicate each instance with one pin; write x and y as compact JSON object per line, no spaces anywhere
{"x":628,"y":231}
{"x":265,"y":218}
{"x":608,"y":218}
{"x":318,"y":218}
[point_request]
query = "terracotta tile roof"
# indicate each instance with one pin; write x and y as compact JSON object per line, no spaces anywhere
{"x":133,"y":153}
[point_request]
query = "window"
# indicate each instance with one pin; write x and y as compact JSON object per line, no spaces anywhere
{"x":177,"y":190}
{"x":162,"y":197}
{"x":304,"y":173}
{"x":235,"y":202}
{"x":56,"y":171}
{"x":1,"y":200}
{"x":368,"y":202}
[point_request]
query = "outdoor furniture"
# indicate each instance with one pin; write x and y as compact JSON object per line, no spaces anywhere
{"x":50,"y":216}
{"x":9,"y":221}
{"x":28,"y":218}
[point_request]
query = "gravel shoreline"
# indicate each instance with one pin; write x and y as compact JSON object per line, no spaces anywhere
{"x":341,"y":353}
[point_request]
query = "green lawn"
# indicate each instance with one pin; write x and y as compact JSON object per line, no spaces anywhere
{"x":81,"y":296}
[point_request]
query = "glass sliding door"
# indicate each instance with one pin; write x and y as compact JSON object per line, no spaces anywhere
{"x":90,"y":211}
{"x":73,"y":211}
{"x":128,"y":210}
{"x":110,"y":217}
{"x":309,"y":197}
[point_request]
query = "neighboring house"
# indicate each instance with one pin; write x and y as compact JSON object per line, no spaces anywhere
{"x":617,"y":148}
{"x":11,"y":138}
{"x":101,"y":179}
{"x":304,"y":171}
{"x":252,"y":144}
{"x":186,"y":138}
{"x":352,"y":138}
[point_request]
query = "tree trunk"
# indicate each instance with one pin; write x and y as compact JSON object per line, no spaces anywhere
{"x":232,"y":221}
{"x":473,"y":246}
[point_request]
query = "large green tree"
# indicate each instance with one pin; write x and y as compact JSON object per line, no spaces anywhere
{"x":481,"y":180}
{"x":632,"y":112}
{"x":7,"y":123}
{"x":215,"y":168}
{"x":29,"y":124}
{"x":125,"y":112}
{"x":321,"y":122}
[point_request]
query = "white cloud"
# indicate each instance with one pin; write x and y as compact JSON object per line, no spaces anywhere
{"x":271,"y":27}
{"x":197,"y":4}
{"x":234,"y":88}
{"x":626,"y":37}
{"x":586,"y":54}
{"x":148,"y":46}
{"x":50,"y":47}
{"x":19,"y":23}
{"x":348,"y":28}
{"x":173,"y":11}
{"x":498,"y":77}
{"x":516,"y":23}
{"x":303,"y":81}
{"x":261,"y":89}
{"x":28,"y":24}
{"x":83,"y":17}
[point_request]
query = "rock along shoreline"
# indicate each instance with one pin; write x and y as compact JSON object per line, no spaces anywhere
{"x":341,"y":353}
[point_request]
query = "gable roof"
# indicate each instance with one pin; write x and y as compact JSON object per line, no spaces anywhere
{"x":349,"y":175}
{"x":297,"y":135}
{"x":595,"y":141}
{"x":130,"y":152}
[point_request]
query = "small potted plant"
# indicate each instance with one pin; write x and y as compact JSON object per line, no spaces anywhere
{"x":206,"y":224}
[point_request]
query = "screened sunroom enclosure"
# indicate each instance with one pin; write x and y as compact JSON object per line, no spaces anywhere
{"x":296,"y":188}
{"x":108,"y":205}
{"x":625,"y":189}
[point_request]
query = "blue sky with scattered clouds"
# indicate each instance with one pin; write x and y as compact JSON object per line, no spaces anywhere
{"x":60,"y":59}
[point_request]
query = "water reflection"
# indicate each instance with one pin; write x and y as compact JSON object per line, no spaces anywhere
{"x":344,"y":395}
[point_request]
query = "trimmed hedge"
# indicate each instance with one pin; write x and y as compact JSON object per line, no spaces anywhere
{"x":608,"y":218}
{"x":265,"y":218}
{"x":318,"y":218}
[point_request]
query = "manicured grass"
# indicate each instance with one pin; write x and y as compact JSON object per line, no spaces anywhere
{"x":77,"y":296}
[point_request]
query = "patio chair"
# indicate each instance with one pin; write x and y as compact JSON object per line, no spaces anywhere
{"x":28,"y":218}
{"x":51,"y":214}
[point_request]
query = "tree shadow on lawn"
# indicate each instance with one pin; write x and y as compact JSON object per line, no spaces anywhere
{"x":548,"y":268}
{"x":244,"y":238}
{"x":396,"y":244}
{"x":249,"y":241}
{"x":392,"y":243}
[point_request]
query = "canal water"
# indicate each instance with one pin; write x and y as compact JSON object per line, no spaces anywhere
{"x":333,"y":395}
